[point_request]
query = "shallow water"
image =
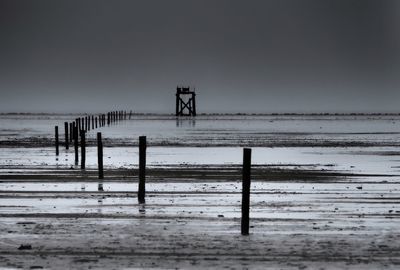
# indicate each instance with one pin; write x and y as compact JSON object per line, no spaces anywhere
{"x":324,"y":194}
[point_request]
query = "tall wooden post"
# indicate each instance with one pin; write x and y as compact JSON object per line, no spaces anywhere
{"x":100,"y":155}
{"x":75,"y":129}
{"x":56,"y":137}
{"x":246,"y":190}
{"x":194,"y":103}
{"x":71,"y":133}
{"x":177,"y":109}
{"x":142,"y":169}
{"x":78,"y":125}
{"x":66,"y":135}
{"x":92,"y":121}
{"x":83,"y":149}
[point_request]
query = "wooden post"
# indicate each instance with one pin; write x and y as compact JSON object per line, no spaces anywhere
{"x":56,"y":134}
{"x":92,"y":121}
{"x":246,"y":190}
{"x":78,"y":124}
{"x":100,"y":155}
{"x":108,"y":119}
{"x":177,"y":101}
{"x":88,"y":122}
{"x":194,"y":103}
{"x":75,"y":128}
{"x":96,"y":122}
{"x":71,"y":133}
{"x":66,"y":135}
{"x":142,"y":169}
{"x":83,"y":149}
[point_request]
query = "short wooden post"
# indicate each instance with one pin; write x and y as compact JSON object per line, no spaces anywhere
{"x":56,"y":135}
{"x":75,"y":129}
{"x":83,"y":149}
{"x":246,"y":190}
{"x":66,"y":135}
{"x":100,"y":155}
{"x":142,"y":169}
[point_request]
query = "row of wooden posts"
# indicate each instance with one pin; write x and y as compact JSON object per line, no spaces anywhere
{"x":84,"y":124}
{"x":112,"y":117}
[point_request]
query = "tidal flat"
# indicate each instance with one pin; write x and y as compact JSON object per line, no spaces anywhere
{"x":324,"y":193}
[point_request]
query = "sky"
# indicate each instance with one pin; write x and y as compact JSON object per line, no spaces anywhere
{"x":254,"y":56}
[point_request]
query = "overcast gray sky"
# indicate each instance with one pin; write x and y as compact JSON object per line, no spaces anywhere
{"x":242,"y":56}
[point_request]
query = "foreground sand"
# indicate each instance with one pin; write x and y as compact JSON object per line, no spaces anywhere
{"x":301,"y":218}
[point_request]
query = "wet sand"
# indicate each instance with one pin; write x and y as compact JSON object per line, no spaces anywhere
{"x":311,"y":208}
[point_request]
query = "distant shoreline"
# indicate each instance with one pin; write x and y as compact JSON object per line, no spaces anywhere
{"x":217,"y":114}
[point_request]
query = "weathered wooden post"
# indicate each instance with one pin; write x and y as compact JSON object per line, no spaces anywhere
{"x":100,"y":155}
{"x":75,"y":129}
{"x":96,"y":122}
{"x":100,"y":160}
{"x":83,"y":149}
{"x":78,"y":124}
{"x":246,"y":190}
{"x":88,"y":122}
{"x":71,"y":133}
{"x":92,"y":121}
{"x":108,"y":119}
{"x":56,"y":135}
{"x":142,"y":169}
{"x":66,"y":135}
